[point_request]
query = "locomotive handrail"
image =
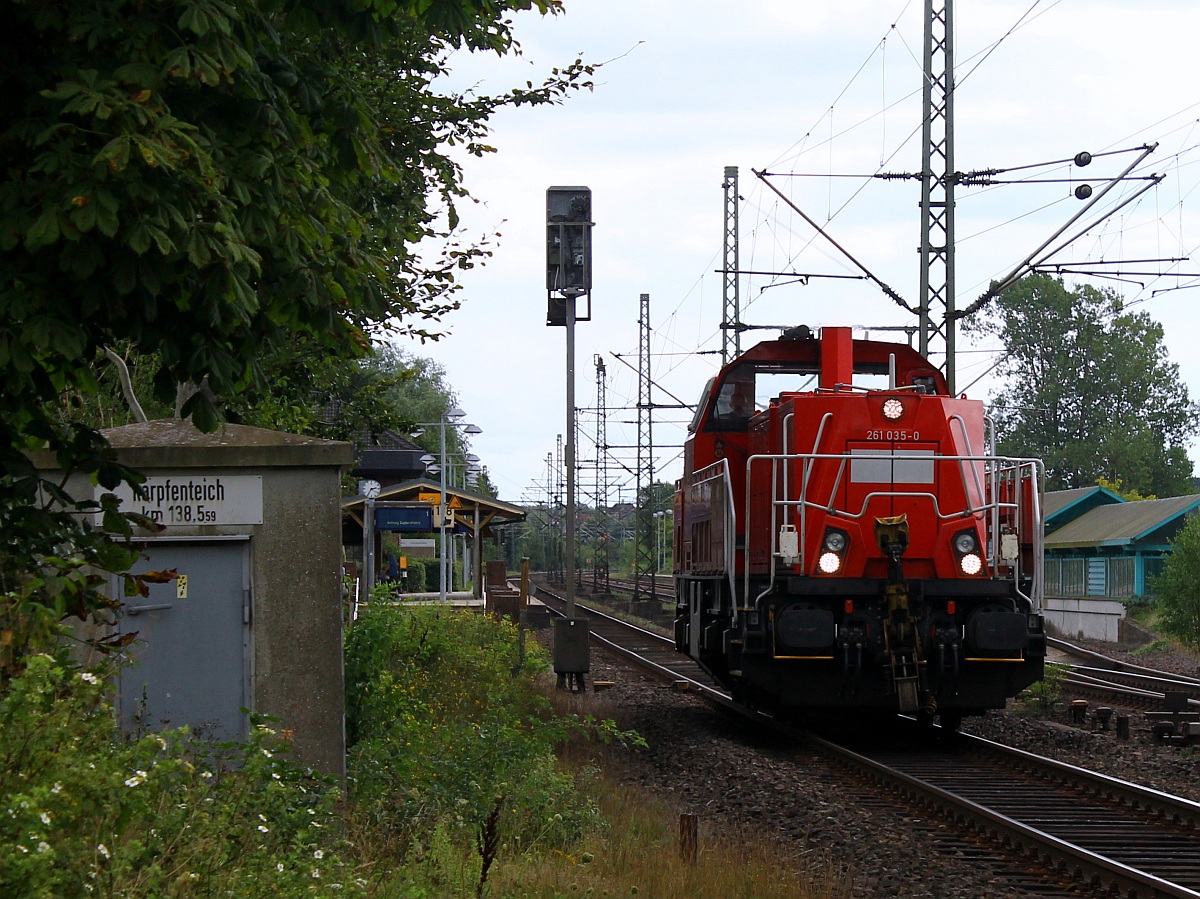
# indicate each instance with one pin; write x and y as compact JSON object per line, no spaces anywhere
{"x":974,"y":468}
{"x":808,"y":467}
{"x":997,"y":467}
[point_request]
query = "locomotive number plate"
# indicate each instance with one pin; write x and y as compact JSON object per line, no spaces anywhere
{"x":897,"y":434}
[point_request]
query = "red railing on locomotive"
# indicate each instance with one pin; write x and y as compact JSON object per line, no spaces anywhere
{"x":910,"y":429}
{"x":838,"y":546}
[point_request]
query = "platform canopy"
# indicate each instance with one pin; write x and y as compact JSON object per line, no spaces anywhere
{"x":467,"y":505}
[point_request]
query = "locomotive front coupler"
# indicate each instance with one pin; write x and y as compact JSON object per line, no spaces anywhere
{"x":902,"y":638}
{"x":892,"y":536}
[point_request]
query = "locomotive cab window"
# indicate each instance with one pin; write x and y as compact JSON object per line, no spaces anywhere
{"x":735,"y":401}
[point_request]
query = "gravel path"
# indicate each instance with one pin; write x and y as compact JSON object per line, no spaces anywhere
{"x":699,"y":762}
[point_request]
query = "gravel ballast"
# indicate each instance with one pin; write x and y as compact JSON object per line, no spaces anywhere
{"x":740,"y":782}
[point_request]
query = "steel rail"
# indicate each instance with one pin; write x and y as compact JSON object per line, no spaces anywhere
{"x":1024,"y":839}
{"x":1081,"y":864}
{"x":1099,"y":660}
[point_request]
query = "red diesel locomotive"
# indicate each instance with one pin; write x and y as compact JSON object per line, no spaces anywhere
{"x":855,"y":546}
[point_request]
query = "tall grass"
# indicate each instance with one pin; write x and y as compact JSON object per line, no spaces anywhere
{"x":471,"y":776}
{"x":638,"y":854}
{"x":639,"y":851}
{"x":560,"y":822}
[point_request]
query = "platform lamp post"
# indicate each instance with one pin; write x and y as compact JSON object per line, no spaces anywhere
{"x":450,"y":418}
{"x":460,"y":475}
{"x":569,"y":277}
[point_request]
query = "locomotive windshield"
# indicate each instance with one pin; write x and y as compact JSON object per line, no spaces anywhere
{"x":749,"y":387}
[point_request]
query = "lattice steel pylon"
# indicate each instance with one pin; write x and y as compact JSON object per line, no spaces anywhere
{"x":643,"y":554}
{"x":731,"y":314}
{"x":937,"y":187}
{"x":603,"y":544}
{"x":560,"y":508}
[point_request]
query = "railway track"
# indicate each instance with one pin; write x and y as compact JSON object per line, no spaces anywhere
{"x":1102,"y":680}
{"x":1058,"y":821}
{"x":1169,"y":701}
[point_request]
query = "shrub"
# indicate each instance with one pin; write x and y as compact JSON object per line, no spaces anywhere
{"x":86,"y":810}
{"x":1177,"y":589}
{"x":1041,"y":697}
{"x":422,"y":575}
{"x":443,"y":733}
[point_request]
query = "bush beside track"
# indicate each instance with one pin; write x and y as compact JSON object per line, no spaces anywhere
{"x":456,"y":787}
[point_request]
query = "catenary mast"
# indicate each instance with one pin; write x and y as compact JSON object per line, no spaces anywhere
{"x":937,"y":185}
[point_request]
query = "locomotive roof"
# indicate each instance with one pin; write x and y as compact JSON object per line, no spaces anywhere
{"x":833,"y":356}
{"x":803,"y":355}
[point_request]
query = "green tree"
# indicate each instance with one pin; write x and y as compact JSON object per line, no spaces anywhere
{"x":1177,"y":589}
{"x":207,"y":183}
{"x":313,"y":391}
{"x":1089,"y":388}
{"x":420,"y":392}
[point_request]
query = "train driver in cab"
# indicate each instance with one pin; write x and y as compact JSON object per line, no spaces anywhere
{"x":736,"y":403}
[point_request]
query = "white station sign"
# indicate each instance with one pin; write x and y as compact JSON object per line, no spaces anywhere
{"x":187,"y":500}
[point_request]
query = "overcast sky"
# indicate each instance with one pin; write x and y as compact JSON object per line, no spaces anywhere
{"x":815,"y":89}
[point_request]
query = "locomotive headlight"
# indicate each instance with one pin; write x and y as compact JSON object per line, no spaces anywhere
{"x":966,"y":547}
{"x":964,"y":541}
{"x":835,"y":541}
{"x":829,"y":563}
{"x":892,"y":409}
{"x":833,"y":551}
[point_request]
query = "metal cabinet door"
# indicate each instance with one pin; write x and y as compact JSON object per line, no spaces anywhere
{"x":190,"y":660}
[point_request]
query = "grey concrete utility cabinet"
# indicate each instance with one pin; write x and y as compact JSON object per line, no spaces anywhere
{"x":252,"y":523}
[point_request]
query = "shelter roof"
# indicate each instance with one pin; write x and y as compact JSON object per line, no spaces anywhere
{"x":1064,"y":506}
{"x":466,"y":503}
{"x":1122,"y":523}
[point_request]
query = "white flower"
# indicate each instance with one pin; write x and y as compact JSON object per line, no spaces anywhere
{"x":57,"y":788}
{"x":279,"y":867}
{"x":264,"y":828}
{"x":207,"y":775}
{"x":43,"y":846}
{"x":103,"y":850}
{"x":318,"y":853}
{"x":89,"y":677}
{"x":316,"y":873}
{"x":45,"y":816}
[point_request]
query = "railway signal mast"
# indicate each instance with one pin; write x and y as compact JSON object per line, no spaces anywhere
{"x":569,"y":277}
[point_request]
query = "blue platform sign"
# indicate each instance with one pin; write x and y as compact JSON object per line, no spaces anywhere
{"x":407,"y":520}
